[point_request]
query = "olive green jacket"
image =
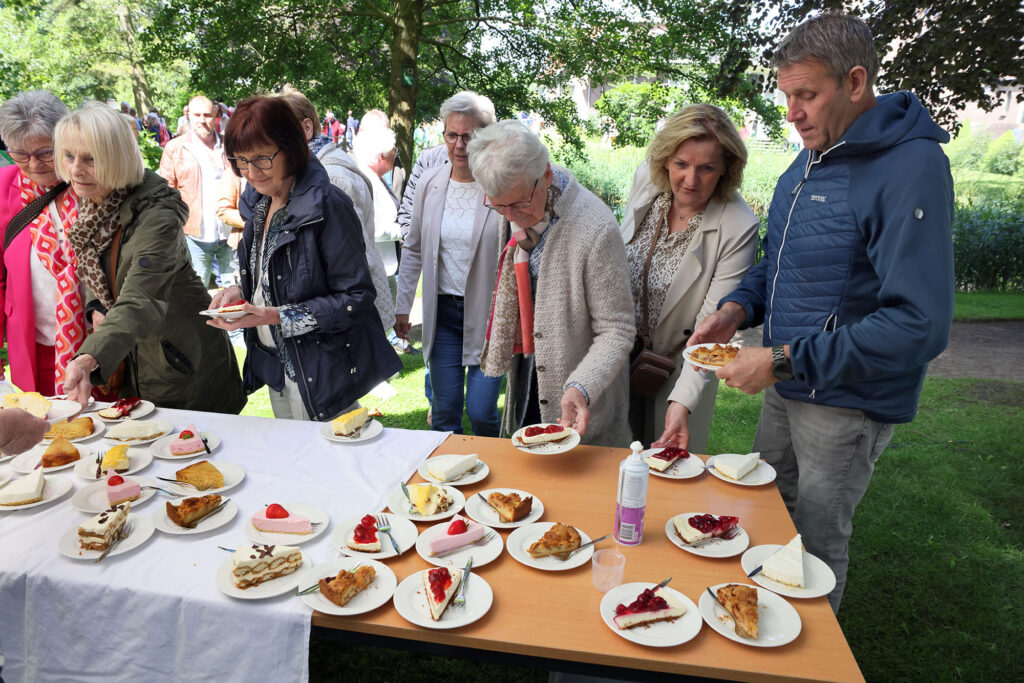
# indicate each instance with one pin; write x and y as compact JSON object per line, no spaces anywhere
{"x":174,"y":358}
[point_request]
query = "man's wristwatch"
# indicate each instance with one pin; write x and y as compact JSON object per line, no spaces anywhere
{"x":782,"y":367}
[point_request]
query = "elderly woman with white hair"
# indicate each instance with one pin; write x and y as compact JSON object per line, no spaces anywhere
{"x":42,"y":312}
{"x":453,"y":241}
{"x":562,"y":323}
{"x":374,"y":152}
{"x":144,"y":297}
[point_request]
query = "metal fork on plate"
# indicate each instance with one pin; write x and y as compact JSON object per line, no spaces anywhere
{"x":125,"y":532}
{"x":384,"y":527}
{"x":316,"y":586}
{"x":460,"y":598}
{"x":727,"y":536}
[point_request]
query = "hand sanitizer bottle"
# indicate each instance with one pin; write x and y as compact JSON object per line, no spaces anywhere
{"x":632,"y":497}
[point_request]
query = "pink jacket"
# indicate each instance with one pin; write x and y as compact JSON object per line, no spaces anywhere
{"x":18,"y":317}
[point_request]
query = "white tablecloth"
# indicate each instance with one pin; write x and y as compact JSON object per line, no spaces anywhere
{"x":155,"y":612}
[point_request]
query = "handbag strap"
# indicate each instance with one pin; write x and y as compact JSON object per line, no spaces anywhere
{"x":645,"y":289}
{"x":29,"y":213}
{"x":115,"y":251}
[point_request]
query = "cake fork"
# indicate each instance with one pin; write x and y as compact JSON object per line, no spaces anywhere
{"x":125,"y":532}
{"x":384,"y":527}
{"x":316,"y":586}
{"x":460,"y":598}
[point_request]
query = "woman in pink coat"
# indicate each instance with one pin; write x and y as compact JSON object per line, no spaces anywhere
{"x":41,"y":302}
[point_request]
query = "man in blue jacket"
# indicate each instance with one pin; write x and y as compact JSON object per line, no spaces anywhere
{"x":855,"y":290}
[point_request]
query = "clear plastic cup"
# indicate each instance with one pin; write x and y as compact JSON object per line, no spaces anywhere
{"x":606,"y":568}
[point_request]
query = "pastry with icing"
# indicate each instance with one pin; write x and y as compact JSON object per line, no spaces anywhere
{"x":257,"y":563}
{"x":98,"y":532}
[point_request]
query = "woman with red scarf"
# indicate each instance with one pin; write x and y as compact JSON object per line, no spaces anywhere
{"x":41,"y":303}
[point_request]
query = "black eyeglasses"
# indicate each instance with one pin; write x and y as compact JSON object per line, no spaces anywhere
{"x":452,"y":138}
{"x":263,"y":163}
{"x":514,"y":205}
{"x":43,"y":155}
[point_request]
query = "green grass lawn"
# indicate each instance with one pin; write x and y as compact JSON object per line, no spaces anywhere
{"x":988,"y":306}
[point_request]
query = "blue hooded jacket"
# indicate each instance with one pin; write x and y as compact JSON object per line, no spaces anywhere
{"x":857,"y":274}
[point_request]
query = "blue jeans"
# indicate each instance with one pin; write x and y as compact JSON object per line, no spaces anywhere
{"x":823,"y":457}
{"x":450,"y":380}
{"x":204,"y":254}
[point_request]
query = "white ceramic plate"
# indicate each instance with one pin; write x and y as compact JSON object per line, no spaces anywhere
{"x":411,"y":603}
{"x":402,"y":530}
{"x":520,"y":540}
{"x":54,"y":488}
{"x":27,"y":461}
{"x":658,"y":634}
{"x":777,"y":622}
{"x":399,"y":504}
{"x":684,"y":468}
{"x":479,"y":509}
{"x":716,"y":547}
{"x":310,"y":512}
{"x":267,"y":589}
{"x":819,"y":579}
{"x":550,"y":448}
{"x":93,"y":498}
{"x":481,"y":554}
{"x":690,"y":349}
{"x":215,"y":521}
{"x":759,"y":476}
{"x":142,"y":529}
{"x":465,"y":480}
{"x":142,"y":410}
{"x":163,"y":426}
{"x":97,"y":429}
{"x":5,"y":458}
{"x":233,"y":476}
{"x":370,"y":598}
{"x":161,"y":448}
{"x":230,"y":316}
{"x":5,"y":475}
{"x":370,"y":430}
{"x":138,"y":459}
{"x":62,"y":409}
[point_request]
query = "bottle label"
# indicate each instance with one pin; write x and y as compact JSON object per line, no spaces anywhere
{"x":629,"y":524}
{"x":634,"y":490}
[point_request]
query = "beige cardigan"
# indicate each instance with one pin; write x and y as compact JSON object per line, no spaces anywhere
{"x":583,"y":319}
{"x":421,"y":252}
{"x":718,"y":257}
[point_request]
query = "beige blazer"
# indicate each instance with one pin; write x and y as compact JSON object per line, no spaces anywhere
{"x":718,"y":257}
{"x":420,"y":253}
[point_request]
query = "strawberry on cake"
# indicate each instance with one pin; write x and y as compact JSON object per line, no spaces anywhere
{"x":364,"y":537}
{"x":121,"y":490}
{"x":274,"y":519}
{"x":187,"y":443}
{"x":699,"y":528}
{"x":460,"y":533}
{"x":649,"y":607}
{"x":439,"y":586}
{"x":666,"y":457}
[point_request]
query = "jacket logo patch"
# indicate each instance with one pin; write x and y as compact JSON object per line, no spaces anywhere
{"x":818,"y":198}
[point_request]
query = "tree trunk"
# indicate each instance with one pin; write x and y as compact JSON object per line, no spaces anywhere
{"x":404,"y":84}
{"x":140,"y":84}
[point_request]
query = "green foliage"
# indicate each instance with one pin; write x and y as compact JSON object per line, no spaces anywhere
{"x":1001,"y":156}
{"x":967,"y":149}
{"x":988,"y":246}
{"x":606,"y":173}
{"x":151,"y":151}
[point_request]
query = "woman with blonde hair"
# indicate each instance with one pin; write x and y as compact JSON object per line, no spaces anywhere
{"x":144,"y":296}
{"x":690,"y":238}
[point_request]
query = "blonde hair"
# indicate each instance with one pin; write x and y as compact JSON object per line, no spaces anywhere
{"x":699,"y":122}
{"x":300,"y":105}
{"x":108,"y":136}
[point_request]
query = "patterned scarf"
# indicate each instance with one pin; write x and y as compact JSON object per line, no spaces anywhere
{"x":56,"y":255}
{"x":91,"y":235}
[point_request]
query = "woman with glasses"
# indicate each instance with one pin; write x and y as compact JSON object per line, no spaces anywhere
{"x":562,"y":324}
{"x":42,"y":311}
{"x":144,"y":296}
{"x":453,"y":241}
{"x":312,"y":332}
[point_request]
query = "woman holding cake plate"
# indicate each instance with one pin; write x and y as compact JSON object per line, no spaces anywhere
{"x":142,"y":291}
{"x":312,"y":331}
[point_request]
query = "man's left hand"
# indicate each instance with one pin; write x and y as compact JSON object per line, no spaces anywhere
{"x":750,"y":371}
{"x":258,"y":315}
{"x":575,"y":412}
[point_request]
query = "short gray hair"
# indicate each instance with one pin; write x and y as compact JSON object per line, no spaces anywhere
{"x":504,"y":155}
{"x":839,"y":41}
{"x":372,"y":141}
{"x":468,"y":102}
{"x":28,"y":114}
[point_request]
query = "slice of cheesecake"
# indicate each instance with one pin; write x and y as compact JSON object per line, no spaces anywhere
{"x":449,"y":467}
{"x":28,"y":489}
{"x":439,"y":585}
{"x":787,"y":565}
{"x":649,"y":607}
{"x":736,"y":465}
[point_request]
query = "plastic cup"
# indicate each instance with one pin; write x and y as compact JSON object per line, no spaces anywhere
{"x":607,"y":567}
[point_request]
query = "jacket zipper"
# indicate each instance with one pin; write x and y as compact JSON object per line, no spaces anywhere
{"x":795,"y":194}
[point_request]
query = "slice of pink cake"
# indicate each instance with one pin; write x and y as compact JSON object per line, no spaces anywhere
{"x":276,"y":520}
{"x":120,"y":490}
{"x":461,"y":532}
{"x":188,"y":442}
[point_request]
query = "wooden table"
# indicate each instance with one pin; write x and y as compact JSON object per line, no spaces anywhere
{"x":555,"y":615}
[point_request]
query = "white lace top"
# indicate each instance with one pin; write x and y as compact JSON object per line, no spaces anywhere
{"x":455,"y":253}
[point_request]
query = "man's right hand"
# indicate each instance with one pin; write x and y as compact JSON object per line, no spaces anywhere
{"x":225,"y":296}
{"x":720,"y":326}
{"x":402,"y":326}
{"x":20,"y":430}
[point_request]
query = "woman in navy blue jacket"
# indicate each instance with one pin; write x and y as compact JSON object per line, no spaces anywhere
{"x":312,"y":332}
